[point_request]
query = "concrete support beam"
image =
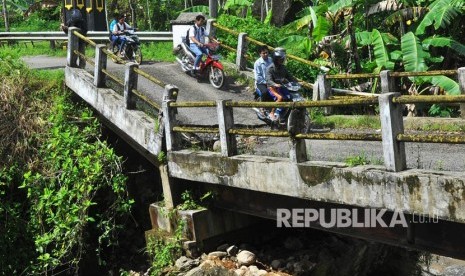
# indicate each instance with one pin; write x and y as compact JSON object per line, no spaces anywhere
{"x":324,"y":91}
{"x":298,"y":151}
{"x":211,"y":30}
{"x":130,"y":83}
{"x":213,"y":6}
{"x":225,"y":123}
{"x":241,"y":61}
{"x":100,"y":63}
{"x":392,"y":125}
{"x":461,"y":78}
{"x":168,"y":186}
{"x":169,"y":117}
{"x":387,"y":82}
{"x":73,"y":44}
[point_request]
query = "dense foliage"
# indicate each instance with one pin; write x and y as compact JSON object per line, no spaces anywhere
{"x":58,"y":180}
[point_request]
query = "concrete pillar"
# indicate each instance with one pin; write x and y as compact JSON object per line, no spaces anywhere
{"x":169,"y":117}
{"x":211,"y":30}
{"x":461,"y":78}
{"x":226,"y":122}
{"x":316,"y":91}
{"x":392,"y":125}
{"x":295,"y":125}
{"x":82,"y":50}
{"x":130,"y":83}
{"x":324,"y":89}
{"x":167,"y":184}
{"x":213,"y":7}
{"x":73,"y":44}
{"x":387,"y":82}
{"x":241,"y":61}
{"x":100,"y":63}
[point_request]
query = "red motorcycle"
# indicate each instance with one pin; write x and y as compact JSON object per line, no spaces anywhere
{"x":211,"y":67}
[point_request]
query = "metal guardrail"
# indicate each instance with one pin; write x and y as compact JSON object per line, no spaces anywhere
{"x":92,"y":35}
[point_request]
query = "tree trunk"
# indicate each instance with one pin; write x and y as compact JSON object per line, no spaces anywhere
{"x":353,"y":41}
{"x":5,"y":17}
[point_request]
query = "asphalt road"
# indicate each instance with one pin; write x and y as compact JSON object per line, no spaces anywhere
{"x":447,"y":157}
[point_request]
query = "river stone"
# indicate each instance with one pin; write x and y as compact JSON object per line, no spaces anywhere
{"x":246,"y":257}
{"x":262,"y":272}
{"x":232,"y":250}
{"x":184,"y":263}
{"x":222,"y":247}
{"x":454,"y":270}
{"x":195,"y":272}
{"x":253,"y":269}
{"x":275,"y":264}
{"x":219,"y":254}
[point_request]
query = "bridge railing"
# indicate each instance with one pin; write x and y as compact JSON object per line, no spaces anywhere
{"x":76,"y":52}
{"x":92,"y":35}
{"x":392,"y":129}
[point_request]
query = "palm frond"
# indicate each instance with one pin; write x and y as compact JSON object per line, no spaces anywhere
{"x":386,"y":5}
{"x":322,"y":28}
{"x":339,"y":5}
{"x":363,"y":38}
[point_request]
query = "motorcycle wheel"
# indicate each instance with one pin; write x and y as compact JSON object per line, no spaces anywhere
{"x":216,"y":77}
{"x":137,"y":55}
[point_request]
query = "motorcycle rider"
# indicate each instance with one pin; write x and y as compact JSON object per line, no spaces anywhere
{"x":197,"y":34}
{"x":118,"y":33}
{"x":259,"y":70}
{"x":276,"y":76}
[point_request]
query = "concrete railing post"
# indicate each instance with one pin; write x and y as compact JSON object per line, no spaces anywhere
{"x":211,"y":30}
{"x":241,"y":61}
{"x":169,"y":117}
{"x":100,"y":64}
{"x":130,"y":83}
{"x":324,"y":91}
{"x":392,"y":125}
{"x":298,"y":151}
{"x":387,"y":82}
{"x":461,"y":78}
{"x":73,"y":44}
{"x":225,"y":123}
{"x":213,"y":7}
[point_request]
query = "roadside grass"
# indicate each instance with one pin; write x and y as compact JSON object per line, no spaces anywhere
{"x":373,"y":122}
{"x":158,"y":51}
{"x":36,"y":48}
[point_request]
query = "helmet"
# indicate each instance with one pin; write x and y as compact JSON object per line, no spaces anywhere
{"x":76,"y":14}
{"x":279,"y":54}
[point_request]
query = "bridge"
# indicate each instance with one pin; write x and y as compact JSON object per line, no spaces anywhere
{"x":432,"y":202}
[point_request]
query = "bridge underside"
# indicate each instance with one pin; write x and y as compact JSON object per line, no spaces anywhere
{"x":432,"y":203}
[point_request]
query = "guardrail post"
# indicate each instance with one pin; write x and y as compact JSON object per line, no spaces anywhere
{"x":324,"y":91}
{"x":73,"y":44}
{"x":391,"y":125}
{"x":169,"y":116}
{"x":241,"y":61}
{"x":225,"y":123}
{"x":298,"y":152}
{"x":100,"y":63}
{"x":130,"y":83}
{"x":211,"y":30}
{"x":461,"y":78}
{"x":387,"y":82}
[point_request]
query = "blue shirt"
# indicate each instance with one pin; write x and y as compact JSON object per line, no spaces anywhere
{"x":259,"y":70}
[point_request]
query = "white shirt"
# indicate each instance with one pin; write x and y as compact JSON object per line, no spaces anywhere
{"x":120,"y":27}
{"x":201,"y":33}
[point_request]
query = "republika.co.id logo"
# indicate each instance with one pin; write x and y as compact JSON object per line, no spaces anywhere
{"x":342,"y":217}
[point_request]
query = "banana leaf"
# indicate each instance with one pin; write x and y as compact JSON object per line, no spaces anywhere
{"x":445,"y":42}
{"x":413,"y":54}
{"x":441,"y":13}
{"x":449,"y":85}
{"x":381,"y":53}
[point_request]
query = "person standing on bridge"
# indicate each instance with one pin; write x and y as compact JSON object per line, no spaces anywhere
{"x":197,"y":34}
{"x":118,"y":33}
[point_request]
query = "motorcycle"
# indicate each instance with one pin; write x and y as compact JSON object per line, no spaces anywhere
{"x":211,"y":67}
{"x":286,"y":115}
{"x":132,"y":51}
